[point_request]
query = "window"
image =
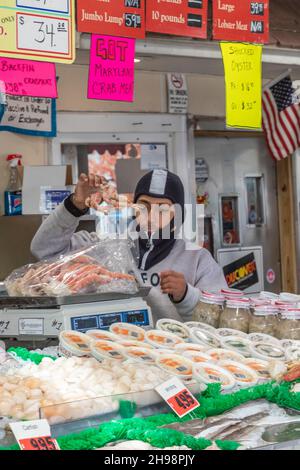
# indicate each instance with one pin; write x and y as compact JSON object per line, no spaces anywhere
{"x":255,"y":206}
{"x":230,"y":220}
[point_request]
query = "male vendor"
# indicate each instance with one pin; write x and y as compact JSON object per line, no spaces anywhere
{"x":177,"y":274}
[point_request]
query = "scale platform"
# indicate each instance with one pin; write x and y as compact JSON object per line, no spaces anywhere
{"x":37,"y":318}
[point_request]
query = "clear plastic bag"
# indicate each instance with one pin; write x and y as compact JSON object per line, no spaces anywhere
{"x":104,"y":267}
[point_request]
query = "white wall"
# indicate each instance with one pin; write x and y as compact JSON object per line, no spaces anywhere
{"x":206,"y":98}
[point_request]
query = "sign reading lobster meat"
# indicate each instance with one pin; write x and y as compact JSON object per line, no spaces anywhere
{"x":124,"y":18}
{"x":177,"y":17}
{"x":243,"y":21}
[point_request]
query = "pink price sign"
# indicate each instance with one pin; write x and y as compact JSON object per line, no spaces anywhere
{"x":111,"y":75}
{"x":27,"y":78}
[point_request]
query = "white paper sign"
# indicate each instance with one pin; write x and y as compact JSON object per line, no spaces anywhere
{"x":29,"y":115}
{"x":31,"y":326}
{"x":153,"y":156}
{"x":178,"y":93}
{"x":47,"y":34}
{"x":28,"y":429}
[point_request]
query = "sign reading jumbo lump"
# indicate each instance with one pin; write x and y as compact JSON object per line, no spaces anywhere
{"x":114,"y":17}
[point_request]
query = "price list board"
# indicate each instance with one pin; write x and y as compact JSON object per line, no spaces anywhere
{"x":125,"y":18}
{"x":177,"y":17}
{"x":243,"y":21}
{"x":39,"y":30}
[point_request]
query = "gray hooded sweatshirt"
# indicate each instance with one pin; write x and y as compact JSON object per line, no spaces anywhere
{"x":57,"y":236}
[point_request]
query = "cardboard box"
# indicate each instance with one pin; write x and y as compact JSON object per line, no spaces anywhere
{"x":35,"y":178}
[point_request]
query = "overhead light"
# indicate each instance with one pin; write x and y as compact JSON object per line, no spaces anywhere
{"x":137,"y":61}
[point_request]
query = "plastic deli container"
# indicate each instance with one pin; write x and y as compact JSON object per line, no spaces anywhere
{"x":141,"y":354}
{"x":160,"y":351}
{"x":128,"y":331}
{"x":289,"y":323}
{"x":133,"y":344}
{"x":220,"y":354}
{"x":288,"y":297}
{"x":108,"y":350}
{"x":197,"y":356}
{"x":264,"y":319}
{"x":102,"y":334}
{"x":205,"y":337}
{"x":264,"y":295}
{"x":267,"y":351}
{"x":236,"y":314}
{"x":286,"y":343}
{"x":209,"y":308}
{"x":232,"y":293}
{"x":244,"y":375}
{"x":257,"y":302}
{"x":198,"y":324}
{"x":182,"y":348}
{"x":173,"y":326}
{"x":262,"y":338}
{"x":209,"y":372}
{"x":224,"y":332}
{"x":175,"y":365}
{"x":162,"y":339}
{"x":260,"y":366}
{"x":237,"y":344}
{"x":73,"y":343}
{"x":293,"y":353}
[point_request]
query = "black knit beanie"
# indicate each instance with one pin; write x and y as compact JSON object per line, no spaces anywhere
{"x":161,"y":184}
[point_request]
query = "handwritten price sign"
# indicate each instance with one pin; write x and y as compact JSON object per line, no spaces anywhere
{"x":178,"y":397}
{"x":34,"y":435}
{"x":111,"y":75}
{"x":43,"y":30}
{"x":40,"y":443}
{"x":243,"y":77}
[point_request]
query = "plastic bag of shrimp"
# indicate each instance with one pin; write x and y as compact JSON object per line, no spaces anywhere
{"x":107,"y":266}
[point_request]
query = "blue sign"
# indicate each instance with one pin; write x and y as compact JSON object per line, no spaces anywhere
{"x":29,"y":115}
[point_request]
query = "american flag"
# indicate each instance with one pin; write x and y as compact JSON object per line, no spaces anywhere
{"x":281,"y":118}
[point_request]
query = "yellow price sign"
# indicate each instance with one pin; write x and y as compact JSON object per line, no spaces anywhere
{"x":44,"y":31}
{"x":243,"y":79}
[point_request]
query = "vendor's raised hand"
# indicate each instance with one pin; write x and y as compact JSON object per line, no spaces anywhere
{"x":174,"y":284}
{"x":88,"y":191}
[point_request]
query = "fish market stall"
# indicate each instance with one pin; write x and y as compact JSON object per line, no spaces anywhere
{"x":98,"y":389}
{"x":96,"y":386}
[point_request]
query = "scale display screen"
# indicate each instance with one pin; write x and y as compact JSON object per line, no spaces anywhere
{"x":107,"y":320}
{"x":104,"y":320}
{"x":84,"y":323}
{"x":136,"y":317}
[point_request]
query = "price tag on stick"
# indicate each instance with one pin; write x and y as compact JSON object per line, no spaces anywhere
{"x":34,"y":435}
{"x":178,"y":397}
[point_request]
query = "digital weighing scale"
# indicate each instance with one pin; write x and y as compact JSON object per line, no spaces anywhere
{"x":37,"y":318}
